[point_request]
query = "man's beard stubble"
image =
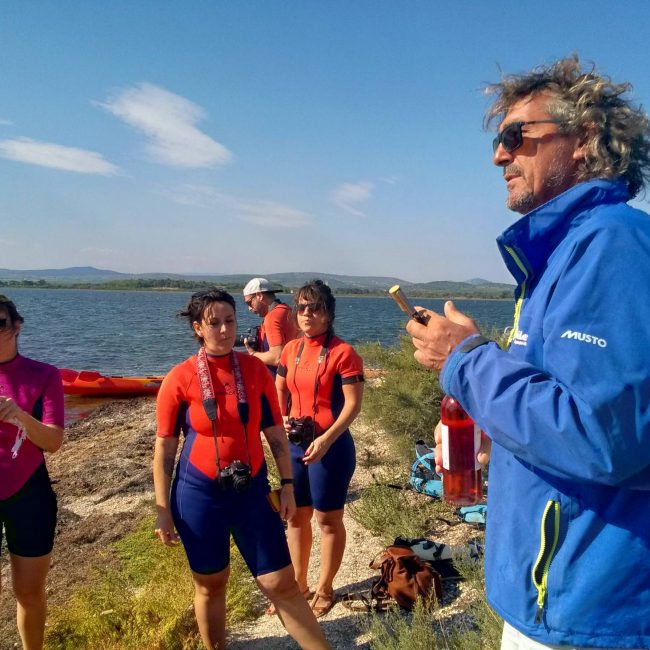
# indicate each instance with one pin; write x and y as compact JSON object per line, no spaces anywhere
{"x":558,"y":180}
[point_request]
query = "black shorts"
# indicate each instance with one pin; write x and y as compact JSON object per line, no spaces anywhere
{"x":29,"y":517}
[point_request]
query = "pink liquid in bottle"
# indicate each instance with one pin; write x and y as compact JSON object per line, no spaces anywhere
{"x":461,"y":438}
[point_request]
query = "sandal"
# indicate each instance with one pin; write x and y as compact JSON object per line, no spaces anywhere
{"x":322,"y":603}
{"x":308,"y":594}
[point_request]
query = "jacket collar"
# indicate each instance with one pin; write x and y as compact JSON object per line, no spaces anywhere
{"x":536,"y":235}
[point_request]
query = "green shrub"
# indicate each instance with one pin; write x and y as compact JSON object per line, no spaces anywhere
{"x":419,"y":630}
{"x":389,"y":513}
{"x":142,"y":598}
{"x":405,"y":403}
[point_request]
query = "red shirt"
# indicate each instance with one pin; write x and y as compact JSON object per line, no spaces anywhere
{"x":322,"y":399}
{"x":278,"y":327}
{"x":180,"y":407}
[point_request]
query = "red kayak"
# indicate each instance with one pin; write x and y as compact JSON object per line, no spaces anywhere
{"x":89,"y":382}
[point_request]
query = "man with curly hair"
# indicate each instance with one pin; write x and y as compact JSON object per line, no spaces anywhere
{"x":567,"y":406}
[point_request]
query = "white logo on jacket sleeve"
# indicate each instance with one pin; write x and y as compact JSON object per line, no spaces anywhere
{"x":585,"y":338}
{"x":520,"y":338}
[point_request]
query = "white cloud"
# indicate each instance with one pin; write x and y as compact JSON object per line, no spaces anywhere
{"x":93,"y":250}
{"x":56,"y":156}
{"x":5,"y":122}
{"x":389,"y":180}
{"x":349,"y":195}
{"x":261,"y":212}
{"x":272,"y":214}
{"x":169,"y":122}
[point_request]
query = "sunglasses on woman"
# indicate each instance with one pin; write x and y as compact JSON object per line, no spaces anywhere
{"x":4,"y":324}
{"x":313,"y":307}
{"x":511,"y":138}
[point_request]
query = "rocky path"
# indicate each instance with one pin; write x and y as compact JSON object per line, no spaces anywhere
{"x":343,"y":628}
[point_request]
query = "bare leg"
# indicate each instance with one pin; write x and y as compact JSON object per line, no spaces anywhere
{"x":28,"y":576}
{"x":210,"y":607}
{"x":299,"y":538}
{"x":332,"y":547}
{"x":292,"y":608}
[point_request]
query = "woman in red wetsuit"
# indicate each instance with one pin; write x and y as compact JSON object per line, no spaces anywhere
{"x":221,"y":400}
{"x":320,"y":387}
{"x":31,"y":422}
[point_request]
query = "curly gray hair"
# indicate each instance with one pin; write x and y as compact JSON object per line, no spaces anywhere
{"x":591,"y":105}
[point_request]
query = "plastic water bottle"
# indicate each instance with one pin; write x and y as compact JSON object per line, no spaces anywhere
{"x":461,"y":439}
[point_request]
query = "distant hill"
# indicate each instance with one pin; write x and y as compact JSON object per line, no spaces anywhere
{"x":71,"y":274}
{"x":89,"y":275}
{"x":453,"y":288}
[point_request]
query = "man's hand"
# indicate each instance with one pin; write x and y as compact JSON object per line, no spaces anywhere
{"x":483,"y":455}
{"x":435,"y":340}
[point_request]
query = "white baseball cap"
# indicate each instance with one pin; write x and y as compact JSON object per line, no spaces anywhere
{"x":258,"y":285}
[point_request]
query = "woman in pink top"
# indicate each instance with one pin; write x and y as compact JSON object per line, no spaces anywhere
{"x":31,"y":422}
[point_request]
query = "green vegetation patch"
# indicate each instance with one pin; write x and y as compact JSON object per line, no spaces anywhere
{"x":142,"y":598}
{"x":405,"y":400}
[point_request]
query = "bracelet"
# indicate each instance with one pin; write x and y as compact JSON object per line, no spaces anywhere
{"x":286,"y":481}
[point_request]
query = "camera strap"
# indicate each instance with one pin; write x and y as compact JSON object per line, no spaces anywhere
{"x":210,"y":401}
{"x":324,"y":351}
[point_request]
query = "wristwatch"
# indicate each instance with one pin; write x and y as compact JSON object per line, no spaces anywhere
{"x":286,"y":481}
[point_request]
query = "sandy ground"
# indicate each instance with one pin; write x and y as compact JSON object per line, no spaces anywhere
{"x":346,"y":629}
{"x":102,"y":476}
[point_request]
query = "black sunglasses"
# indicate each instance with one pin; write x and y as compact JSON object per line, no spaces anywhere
{"x":313,"y":307}
{"x":4,"y":322}
{"x":511,"y":138}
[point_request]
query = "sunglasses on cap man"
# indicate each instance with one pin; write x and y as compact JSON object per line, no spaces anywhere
{"x":511,"y":138}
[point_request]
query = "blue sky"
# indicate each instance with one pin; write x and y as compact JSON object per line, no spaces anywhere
{"x":270,"y":136}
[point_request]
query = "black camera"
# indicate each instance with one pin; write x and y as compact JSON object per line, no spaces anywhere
{"x":302,"y":430}
{"x":252,"y":334}
{"x":236,"y":476}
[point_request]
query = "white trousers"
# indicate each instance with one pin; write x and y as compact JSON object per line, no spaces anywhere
{"x":514,"y":640}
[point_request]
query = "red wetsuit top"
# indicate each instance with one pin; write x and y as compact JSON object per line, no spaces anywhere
{"x":180,"y":407}
{"x":36,"y":387}
{"x":278,"y":328}
{"x":323,"y":400}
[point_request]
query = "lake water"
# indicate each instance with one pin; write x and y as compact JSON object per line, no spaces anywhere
{"x":137,"y":332}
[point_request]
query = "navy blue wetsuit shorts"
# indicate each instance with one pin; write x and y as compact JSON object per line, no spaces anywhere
{"x":29,"y":517}
{"x":324,"y":485}
{"x":205,"y":515}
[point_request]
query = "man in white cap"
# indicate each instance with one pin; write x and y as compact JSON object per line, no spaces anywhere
{"x":278,"y":324}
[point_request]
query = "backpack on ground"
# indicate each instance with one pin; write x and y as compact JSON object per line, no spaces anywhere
{"x":423,"y":477}
{"x":404,"y":578}
{"x":442,"y":556}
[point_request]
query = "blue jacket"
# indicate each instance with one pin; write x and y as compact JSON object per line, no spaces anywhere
{"x":568,"y":410}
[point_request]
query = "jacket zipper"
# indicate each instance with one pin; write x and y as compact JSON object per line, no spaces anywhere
{"x":550,"y":532}
{"x":522,"y":292}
